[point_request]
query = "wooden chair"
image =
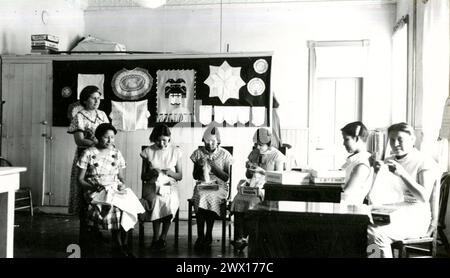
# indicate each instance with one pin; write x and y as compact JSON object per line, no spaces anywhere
{"x":142,"y":221}
{"x":426,"y":246}
{"x":225,"y":206}
{"x":23,"y":197}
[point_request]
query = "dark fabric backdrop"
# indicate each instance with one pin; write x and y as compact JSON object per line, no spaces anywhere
{"x":65,"y":73}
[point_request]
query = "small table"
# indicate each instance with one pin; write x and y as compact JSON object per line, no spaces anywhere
{"x":306,"y":193}
{"x":286,"y":229}
{"x":9,"y":183}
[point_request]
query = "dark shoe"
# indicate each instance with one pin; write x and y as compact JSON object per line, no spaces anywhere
{"x":154,"y":244}
{"x":160,"y":245}
{"x":198,"y":246}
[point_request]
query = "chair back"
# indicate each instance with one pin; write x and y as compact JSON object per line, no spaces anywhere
{"x":4,"y":162}
{"x":230,"y":150}
{"x":443,"y":199}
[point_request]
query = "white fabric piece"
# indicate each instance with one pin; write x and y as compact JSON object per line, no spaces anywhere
{"x":224,"y":82}
{"x":129,"y":116}
{"x":90,"y":79}
{"x":258,"y":115}
{"x":94,"y":44}
{"x":230,"y":115}
{"x":205,"y":114}
{"x":125,"y":200}
{"x":243,"y":114}
{"x":387,"y":188}
{"x":219,"y":114}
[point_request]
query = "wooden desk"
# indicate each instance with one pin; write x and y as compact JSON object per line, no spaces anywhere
{"x":9,"y":183}
{"x":284,"y":229}
{"x":306,"y":193}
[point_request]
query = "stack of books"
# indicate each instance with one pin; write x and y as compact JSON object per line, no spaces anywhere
{"x":44,"y":43}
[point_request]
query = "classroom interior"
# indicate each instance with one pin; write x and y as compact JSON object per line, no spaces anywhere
{"x":308,"y":67}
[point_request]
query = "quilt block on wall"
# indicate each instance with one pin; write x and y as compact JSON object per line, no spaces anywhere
{"x":175,"y":95}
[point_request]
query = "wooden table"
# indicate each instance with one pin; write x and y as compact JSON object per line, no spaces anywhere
{"x":306,"y":193}
{"x":9,"y":183}
{"x":286,"y":229}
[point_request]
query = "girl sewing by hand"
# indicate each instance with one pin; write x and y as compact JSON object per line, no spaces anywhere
{"x":357,"y":168}
{"x":211,"y":164}
{"x":262,"y":158}
{"x":162,"y":169}
{"x":111,"y":206}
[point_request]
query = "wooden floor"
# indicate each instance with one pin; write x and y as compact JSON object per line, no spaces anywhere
{"x":50,"y":235}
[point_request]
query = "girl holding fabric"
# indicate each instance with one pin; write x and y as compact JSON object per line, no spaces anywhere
{"x":161,"y":171}
{"x":111,"y":206}
{"x":262,"y":158}
{"x":417,"y":173}
{"x":358,"y":173}
{"x":211,"y":163}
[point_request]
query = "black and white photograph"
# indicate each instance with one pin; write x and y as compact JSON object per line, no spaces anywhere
{"x":224,"y":135}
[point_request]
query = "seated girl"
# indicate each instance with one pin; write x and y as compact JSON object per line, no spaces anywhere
{"x":416,"y":174}
{"x":112,"y":206}
{"x":262,"y":158}
{"x":358,"y":173}
{"x":211,"y":164}
{"x":162,"y":169}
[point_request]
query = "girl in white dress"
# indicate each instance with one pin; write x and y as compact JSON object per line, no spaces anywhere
{"x":358,"y":173}
{"x":162,"y":169}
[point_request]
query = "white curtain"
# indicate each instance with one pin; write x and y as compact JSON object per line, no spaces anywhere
{"x":399,"y":73}
{"x":435,"y":76}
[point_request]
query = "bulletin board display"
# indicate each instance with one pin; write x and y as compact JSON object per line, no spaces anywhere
{"x":137,"y":94}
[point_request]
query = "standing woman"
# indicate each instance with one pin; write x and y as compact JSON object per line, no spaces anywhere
{"x":262,"y":158}
{"x":161,"y":171}
{"x":358,"y":171}
{"x":211,"y":162}
{"x":83,"y":127}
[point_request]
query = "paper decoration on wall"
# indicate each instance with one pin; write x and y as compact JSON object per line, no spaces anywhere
{"x":256,"y":86}
{"x":219,"y":115}
{"x":90,"y":79}
{"x":260,"y":66}
{"x":129,"y":116}
{"x":258,"y":115}
{"x":224,"y":82}
{"x":205,"y":114}
{"x":175,"y":95}
{"x":66,"y":92}
{"x":131,"y":84}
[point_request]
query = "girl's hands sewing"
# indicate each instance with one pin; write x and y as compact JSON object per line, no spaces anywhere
{"x":396,"y":168}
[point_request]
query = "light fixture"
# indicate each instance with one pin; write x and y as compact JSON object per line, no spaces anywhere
{"x":151,"y":4}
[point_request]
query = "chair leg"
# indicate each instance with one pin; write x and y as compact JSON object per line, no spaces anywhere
{"x":177,"y":218}
{"x":444,"y":240}
{"x":224,"y":231}
{"x":130,"y":239}
{"x":189,"y":225}
{"x":31,"y":202}
{"x":141,"y":233}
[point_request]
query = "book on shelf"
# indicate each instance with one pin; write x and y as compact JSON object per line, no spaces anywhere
{"x":44,"y":37}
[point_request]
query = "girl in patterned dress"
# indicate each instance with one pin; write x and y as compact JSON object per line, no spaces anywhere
{"x":111,"y":206}
{"x":162,"y":169}
{"x":263,"y":158}
{"x":217,"y":162}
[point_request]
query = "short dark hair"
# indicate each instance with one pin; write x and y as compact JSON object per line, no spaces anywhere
{"x":103,"y":128}
{"x":159,"y":130}
{"x":356,"y":129}
{"x":404,"y":127}
{"x":86,"y":93}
